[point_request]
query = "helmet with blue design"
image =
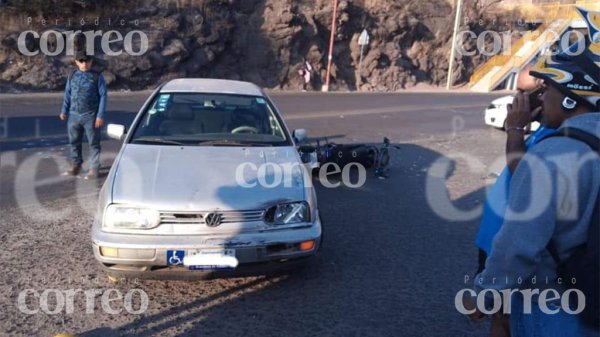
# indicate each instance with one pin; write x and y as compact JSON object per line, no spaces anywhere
{"x":576,"y":70}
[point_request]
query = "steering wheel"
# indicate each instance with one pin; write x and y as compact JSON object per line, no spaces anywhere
{"x":245,"y":129}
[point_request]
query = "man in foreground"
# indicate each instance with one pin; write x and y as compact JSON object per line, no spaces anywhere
{"x":551,"y":200}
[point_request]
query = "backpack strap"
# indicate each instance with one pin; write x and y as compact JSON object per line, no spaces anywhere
{"x":583,"y":136}
{"x":594,"y":143}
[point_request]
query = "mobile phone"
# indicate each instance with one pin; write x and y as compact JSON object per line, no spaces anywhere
{"x":535,"y":102}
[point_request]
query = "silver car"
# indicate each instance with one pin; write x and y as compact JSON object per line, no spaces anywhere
{"x":208,"y":181}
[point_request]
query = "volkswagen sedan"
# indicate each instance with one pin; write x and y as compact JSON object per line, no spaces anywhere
{"x":208,"y":180}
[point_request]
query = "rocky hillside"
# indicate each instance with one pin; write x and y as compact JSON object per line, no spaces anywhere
{"x":262,"y":41}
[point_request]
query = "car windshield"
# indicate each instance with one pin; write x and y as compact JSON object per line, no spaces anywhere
{"x":210,"y":120}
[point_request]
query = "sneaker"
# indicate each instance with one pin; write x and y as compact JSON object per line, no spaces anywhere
{"x":73,"y":171}
{"x":92,"y":174}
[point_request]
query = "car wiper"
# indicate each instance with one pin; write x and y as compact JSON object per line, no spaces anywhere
{"x":226,"y":142}
{"x":157,"y":141}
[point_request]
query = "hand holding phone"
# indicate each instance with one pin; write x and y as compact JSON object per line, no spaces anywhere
{"x":535,"y":102}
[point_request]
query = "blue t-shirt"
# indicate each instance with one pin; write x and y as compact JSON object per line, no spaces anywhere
{"x":497,"y":198}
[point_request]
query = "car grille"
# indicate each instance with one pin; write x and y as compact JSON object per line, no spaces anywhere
{"x":190,"y":218}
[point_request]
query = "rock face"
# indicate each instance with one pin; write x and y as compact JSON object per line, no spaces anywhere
{"x":262,"y":41}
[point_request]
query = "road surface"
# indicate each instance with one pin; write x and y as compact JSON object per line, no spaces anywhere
{"x":395,"y":254}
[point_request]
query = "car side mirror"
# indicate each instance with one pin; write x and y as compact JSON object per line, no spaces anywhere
{"x":116,"y":131}
{"x":299,"y":135}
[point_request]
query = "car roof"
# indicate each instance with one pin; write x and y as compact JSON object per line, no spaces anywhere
{"x":504,"y":100}
{"x":210,"y":85}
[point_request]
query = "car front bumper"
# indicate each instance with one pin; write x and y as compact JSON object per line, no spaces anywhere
{"x":147,"y":254}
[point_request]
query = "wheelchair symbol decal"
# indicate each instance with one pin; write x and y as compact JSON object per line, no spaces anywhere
{"x":175,"y":257}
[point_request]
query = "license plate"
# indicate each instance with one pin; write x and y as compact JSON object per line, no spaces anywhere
{"x":209,"y":259}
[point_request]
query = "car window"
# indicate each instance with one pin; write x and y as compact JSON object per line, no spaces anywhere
{"x":191,"y":118}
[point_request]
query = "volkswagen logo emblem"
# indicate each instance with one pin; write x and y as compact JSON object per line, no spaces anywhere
{"x":212,"y":219}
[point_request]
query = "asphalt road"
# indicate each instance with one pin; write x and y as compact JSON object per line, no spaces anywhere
{"x":395,"y":253}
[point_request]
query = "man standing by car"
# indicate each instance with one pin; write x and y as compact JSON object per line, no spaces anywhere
{"x":83,"y":106}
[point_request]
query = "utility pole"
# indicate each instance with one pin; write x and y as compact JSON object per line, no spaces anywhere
{"x":453,"y":48}
{"x":330,"y":55}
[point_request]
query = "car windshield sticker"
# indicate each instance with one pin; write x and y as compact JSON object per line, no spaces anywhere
{"x":260,"y":100}
{"x":161,"y":105}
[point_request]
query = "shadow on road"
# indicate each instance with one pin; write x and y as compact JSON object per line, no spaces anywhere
{"x":169,"y":318}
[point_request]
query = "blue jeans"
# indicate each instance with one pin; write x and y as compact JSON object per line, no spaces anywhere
{"x":539,"y":324}
{"x":77,"y":126}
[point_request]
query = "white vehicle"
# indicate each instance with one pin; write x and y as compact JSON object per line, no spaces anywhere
{"x":495,"y":114}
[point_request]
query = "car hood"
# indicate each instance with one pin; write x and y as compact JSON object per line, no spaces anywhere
{"x":195,"y":178}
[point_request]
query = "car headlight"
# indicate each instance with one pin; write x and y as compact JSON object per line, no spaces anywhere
{"x":288,"y":213}
{"x":127,"y":217}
